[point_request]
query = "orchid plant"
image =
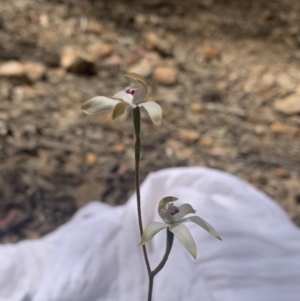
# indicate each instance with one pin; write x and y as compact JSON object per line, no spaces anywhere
{"x":133,"y":97}
{"x":173,"y":221}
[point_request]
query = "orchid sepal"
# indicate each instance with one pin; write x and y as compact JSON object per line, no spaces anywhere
{"x":182,"y":233}
{"x":151,"y":230}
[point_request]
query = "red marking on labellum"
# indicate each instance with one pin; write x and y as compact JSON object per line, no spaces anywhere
{"x":175,"y":211}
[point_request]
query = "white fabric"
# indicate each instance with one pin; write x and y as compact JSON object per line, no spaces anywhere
{"x":95,"y":256}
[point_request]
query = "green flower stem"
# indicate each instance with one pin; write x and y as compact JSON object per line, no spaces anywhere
{"x":170,"y":238}
{"x":137,"y":129}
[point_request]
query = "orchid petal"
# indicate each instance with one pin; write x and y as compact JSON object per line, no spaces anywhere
{"x":163,"y":202}
{"x":202,"y":223}
{"x":151,"y":230}
{"x":139,"y":79}
{"x":154,"y":111}
{"x":122,"y":95}
{"x":185,"y":237}
{"x":119,"y":109}
{"x":98,"y":104}
{"x":183,"y":211}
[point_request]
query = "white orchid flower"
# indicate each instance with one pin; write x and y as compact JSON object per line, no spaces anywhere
{"x":173,"y":220}
{"x":132,"y":96}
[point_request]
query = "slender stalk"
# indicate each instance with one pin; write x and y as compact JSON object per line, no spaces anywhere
{"x":170,"y":238}
{"x":137,"y":129}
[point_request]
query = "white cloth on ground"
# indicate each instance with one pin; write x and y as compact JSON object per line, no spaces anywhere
{"x":95,"y":256}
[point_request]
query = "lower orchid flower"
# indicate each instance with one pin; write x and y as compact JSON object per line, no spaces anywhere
{"x":131,"y":97}
{"x":173,"y":221}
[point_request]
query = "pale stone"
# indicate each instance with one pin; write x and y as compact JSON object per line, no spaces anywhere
{"x":12,"y":69}
{"x":188,"y":136}
{"x":91,"y":159}
{"x":222,"y":86}
{"x":285,"y":82}
{"x":206,"y":142}
{"x":297,"y":91}
{"x":94,"y":27}
{"x":143,"y":68}
{"x":99,"y":50}
{"x":268,"y":80}
{"x":34,"y":71}
{"x":196,"y":107}
{"x":282,"y":172}
{"x":154,"y":42}
{"x":165,"y":75}
{"x":279,"y":128}
{"x":118,"y":148}
{"x":211,"y":51}
{"x":289,"y":105}
{"x":74,"y":61}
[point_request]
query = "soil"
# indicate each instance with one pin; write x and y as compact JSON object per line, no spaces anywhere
{"x":226,"y":73}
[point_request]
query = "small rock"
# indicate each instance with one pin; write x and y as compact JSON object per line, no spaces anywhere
{"x":166,"y":76}
{"x":211,"y":52}
{"x":140,"y":20}
{"x":118,"y":148}
{"x":154,"y":42}
{"x":188,"y":136}
{"x":222,"y":86}
{"x":206,"y":142}
{"x":285,"y":82}
{"x":260,"y":129}
{"x":99,"y":50}
{"x":282,"y":172}
{"x":76,"y":62}
{"x":94,"y":27}
{"x":258,"y":177}
{"x":268,"y":80}
{"x":12,"y":69}
{"x":34,"y":71}
{"x":196,"y":107}
{"x":279,"y":128}
{"x":289,"y":105}
{"x":113,"y":60}
{"x":250,"y":85}
{"x":297,"y":90}
{"x":183,"y":153}
{"x":91,"y":159}
{"x":143,"y":68}
{"x":219,"y":151}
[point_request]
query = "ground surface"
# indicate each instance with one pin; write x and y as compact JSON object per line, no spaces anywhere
{"x":226,"y":73}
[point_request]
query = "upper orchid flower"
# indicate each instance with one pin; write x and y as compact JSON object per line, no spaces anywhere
{"x":173,"y":218}
{"x":131,"y":96}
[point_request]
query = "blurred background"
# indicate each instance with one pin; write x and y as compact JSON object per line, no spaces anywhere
{"x":226,"y":73}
